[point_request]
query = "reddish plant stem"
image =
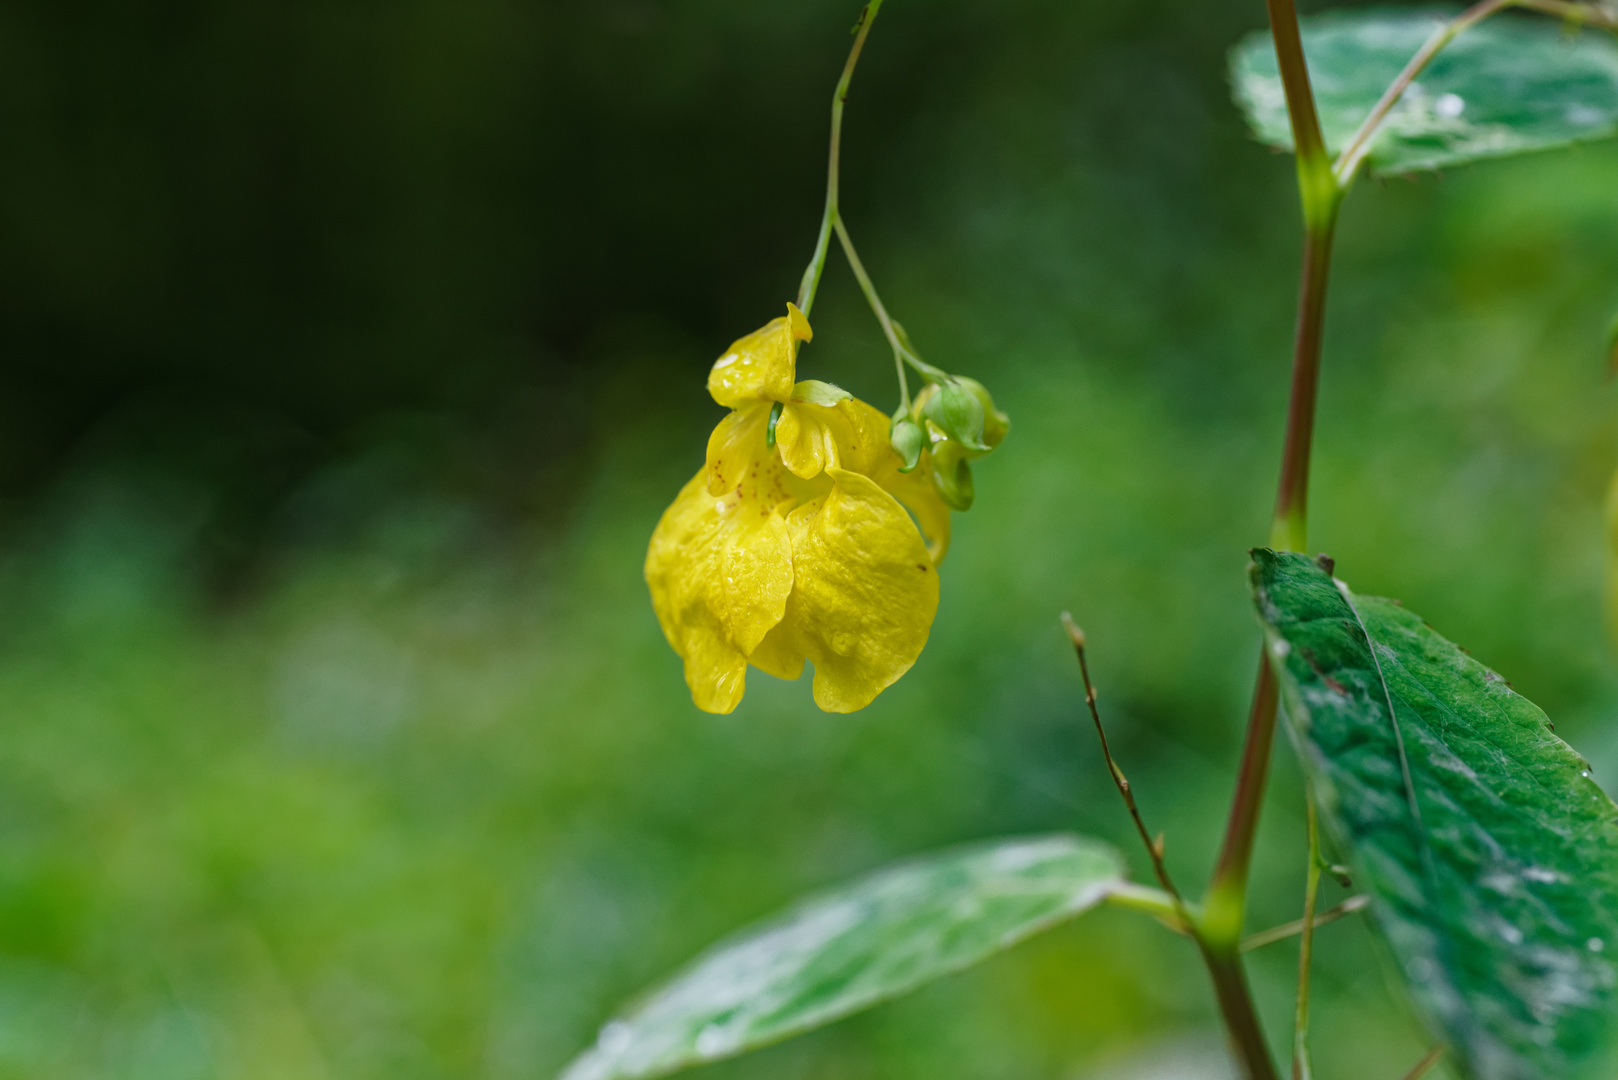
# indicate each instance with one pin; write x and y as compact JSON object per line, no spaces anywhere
{"x":1224,"y":911}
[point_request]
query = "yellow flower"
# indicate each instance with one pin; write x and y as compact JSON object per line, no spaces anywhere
{"x":803,"y":549}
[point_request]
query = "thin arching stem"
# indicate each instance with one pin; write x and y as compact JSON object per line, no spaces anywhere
{"x":1421,"y":1067}
{"x":1306,"y":947}
{"x":1604,"y":16}
{"x":817,"y":264}
{"x":1294,"y":928}
{"x":1353,"y":155}
{"x":890,"y":329}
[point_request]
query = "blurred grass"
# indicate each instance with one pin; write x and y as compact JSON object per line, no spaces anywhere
{"x":340,"y":740}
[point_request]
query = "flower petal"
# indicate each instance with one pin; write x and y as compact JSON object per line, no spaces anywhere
{"x":736,"y":447}
{"x":854,"y":435}
{"x":720,"y":571}
{"x":915,"y":489}
{"x":807,"y":436}
{"x":776,"y":656}
{"x":848,"y":435}
{"x":762,"y":365}
{"x":864,"y":592}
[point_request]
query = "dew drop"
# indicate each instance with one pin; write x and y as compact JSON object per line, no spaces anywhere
{"x":614,"y":1038}
{"x":1449,"y":106}
{"x":712,"y":1040}
{"x":1595,"y":944}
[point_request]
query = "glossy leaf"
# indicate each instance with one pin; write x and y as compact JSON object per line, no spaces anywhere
{"x":1491,"y":855}
{"x":1512,"y":84}
{"x":853,"y":947}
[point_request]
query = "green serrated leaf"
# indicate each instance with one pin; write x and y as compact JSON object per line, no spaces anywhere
{"x":853,"y":947}
{"x":1491,"y":855}
{"x":819,"y":393}
{"x":1510,"y":85}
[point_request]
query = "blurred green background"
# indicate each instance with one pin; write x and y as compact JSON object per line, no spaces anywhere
{"x":349,"y":351}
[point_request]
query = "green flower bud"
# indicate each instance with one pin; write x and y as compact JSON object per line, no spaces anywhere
{"x":995,"y":422}
{"x":908,"y":441}
{"x":952,"y":475}
{"x":958,"y":412}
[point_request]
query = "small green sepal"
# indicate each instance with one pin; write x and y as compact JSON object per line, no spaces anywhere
{"x":908,"y":441}
{"x":958,"y":413}
{"x":952,"y":476}
{"x":769,"y":431}
{"x":816,"y":392}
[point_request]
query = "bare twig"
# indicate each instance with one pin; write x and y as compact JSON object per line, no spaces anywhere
{"x":1293,"y":929}
{"x":1426,"y":1063}
{"x":1154,"y":847}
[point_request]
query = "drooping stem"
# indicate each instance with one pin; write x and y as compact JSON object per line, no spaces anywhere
{"x":1306,"y":948}
{"x":1353,"y":155}
{"x":817,"y":264}
{"x":902,"y":351}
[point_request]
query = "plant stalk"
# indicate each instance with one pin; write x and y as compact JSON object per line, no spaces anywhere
{"x":817,"y":264}
{"x":1289,"y":530}
{"x":1301,"y":1069}
{"x":1225,"y":909}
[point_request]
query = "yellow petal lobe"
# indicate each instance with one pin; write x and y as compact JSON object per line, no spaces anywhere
{"x":720,"y":571}
{"x":762,"y":365}
{"x":736,"y":447}
{"x":807,"y":436}
{"x":916,"y":491}
{"x":849,"y":435}
{"x":864,"y":592}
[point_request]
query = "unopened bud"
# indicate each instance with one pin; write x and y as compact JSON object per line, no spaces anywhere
{"x":957,"y":410}
{"x":908,"y":441}
{"x":995,"y":422}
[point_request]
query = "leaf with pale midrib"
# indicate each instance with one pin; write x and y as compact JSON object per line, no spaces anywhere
{"x":1491,"y":855}
{"x":850,"y":948}
{"x":1510,"y":85}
